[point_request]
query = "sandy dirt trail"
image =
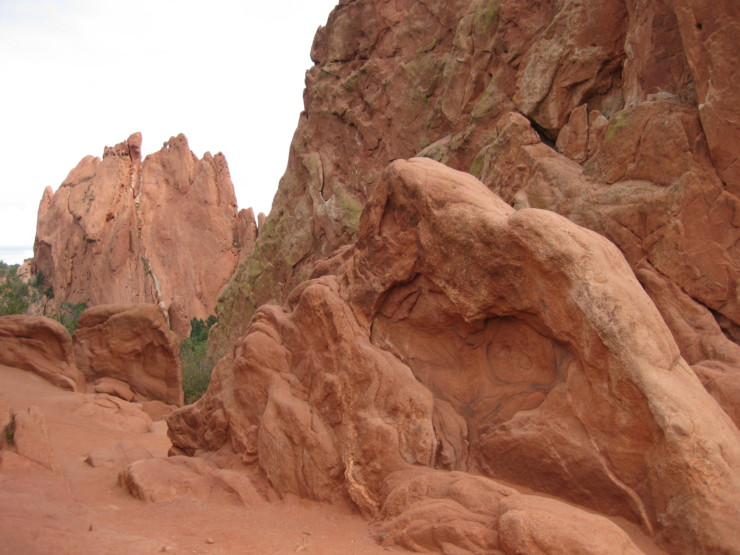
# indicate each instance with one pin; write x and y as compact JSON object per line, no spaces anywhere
{"x":76,"y":508}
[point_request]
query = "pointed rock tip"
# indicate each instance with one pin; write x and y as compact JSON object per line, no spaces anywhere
{"x":176,"y":141}
{"x":135,"y":139}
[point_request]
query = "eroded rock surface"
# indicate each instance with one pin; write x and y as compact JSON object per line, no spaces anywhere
{"x":40,"y":345}
{"x":119,"y":230}
{"x":458,"y":333}
{"x":621,"y":116}
{"x":131,"y":344}
{"x":429,"y":510}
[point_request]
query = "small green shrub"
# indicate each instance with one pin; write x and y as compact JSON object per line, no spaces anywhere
{"x":69,"y":315}
{"x":9,"y":432}
{"x":196,"y":365}
{"x":15,"y":296}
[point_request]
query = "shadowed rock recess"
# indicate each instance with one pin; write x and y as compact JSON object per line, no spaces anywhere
{"x":459,"y":341}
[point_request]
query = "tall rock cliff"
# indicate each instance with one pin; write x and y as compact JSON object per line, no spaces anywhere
{"x":436,"y":334}
{"x":621,"y":115}
{"x":122,"y":231}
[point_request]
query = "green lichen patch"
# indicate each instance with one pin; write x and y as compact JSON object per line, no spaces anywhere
{"x":487,"y":104}
{"x":477,"y":165}
{"x":349,"y":209}
{"x":617,"y":121}
{"x":487,"y":15}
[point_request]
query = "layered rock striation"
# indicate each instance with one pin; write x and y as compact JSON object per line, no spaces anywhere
{"x":164,"y":231}
{"x":621,"y":116}
{"x":459,"y":342}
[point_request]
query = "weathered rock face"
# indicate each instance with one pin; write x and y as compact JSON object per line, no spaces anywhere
{"x":460,"y":334}
{"x":133,"y":344}
{"x":189,"y":229}
{"x":621,"y":116}
{"x":162,"y":231}
{"x":40,"y":345}
{"x":88,"y":244}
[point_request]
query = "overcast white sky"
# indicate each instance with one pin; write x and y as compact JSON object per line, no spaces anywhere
{"x":78,"y":75}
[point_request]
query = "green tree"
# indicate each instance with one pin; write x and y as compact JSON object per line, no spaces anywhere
{"x":15,"y":296}
{"x":196,"y":366}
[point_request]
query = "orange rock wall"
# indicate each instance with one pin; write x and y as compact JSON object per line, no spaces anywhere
{"x":621,"y":116}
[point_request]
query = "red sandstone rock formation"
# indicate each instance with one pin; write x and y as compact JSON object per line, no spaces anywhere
{"x":638,"y":98}
{"x":133,"y":344}
{"x":162,"y":231}
{"x":460,"y":335}
{"x":42,"y":346}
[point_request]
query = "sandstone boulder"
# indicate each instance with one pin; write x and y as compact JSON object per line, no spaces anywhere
{"x":529,"y":522}
{"x":31,"y":438}
{"x":160,"y":480}
{"x":459,"y":333}
{"x":132,"y":344}
{"x":40,"y":345}
{"x":428,"y":510}
{"x":115,"y":413}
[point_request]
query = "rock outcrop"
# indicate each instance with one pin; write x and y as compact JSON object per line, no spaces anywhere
{"x":165,"y":230}
{"x":40,"y":345}
{"x":161,"y":480}
{"x":131,"y":344}
{"x":31,"y":439}
{"x":622,"y":116}
{"x":460,"y":335}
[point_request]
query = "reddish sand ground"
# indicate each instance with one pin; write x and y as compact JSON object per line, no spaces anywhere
{"x":81,"y":509}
